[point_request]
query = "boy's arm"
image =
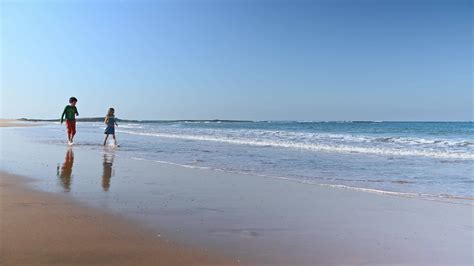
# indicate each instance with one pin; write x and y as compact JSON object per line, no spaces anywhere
{"x":77,"y":113}
{"x":62,"y":116}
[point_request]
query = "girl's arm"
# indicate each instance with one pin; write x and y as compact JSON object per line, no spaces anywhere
{"x":115,"y":121}
{"x":106,"y":119}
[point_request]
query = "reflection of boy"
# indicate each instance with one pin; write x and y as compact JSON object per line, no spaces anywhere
{"x":66,"y":170}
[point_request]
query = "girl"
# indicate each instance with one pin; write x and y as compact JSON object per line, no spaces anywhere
{"x":111,"y":123}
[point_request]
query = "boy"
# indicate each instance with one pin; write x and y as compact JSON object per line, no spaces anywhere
{"x":70,"y":112}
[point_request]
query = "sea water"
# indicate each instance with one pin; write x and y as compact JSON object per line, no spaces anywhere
{"x":425,"y":159}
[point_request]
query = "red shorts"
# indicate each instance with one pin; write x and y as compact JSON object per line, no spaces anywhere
{"x":71,"y":127}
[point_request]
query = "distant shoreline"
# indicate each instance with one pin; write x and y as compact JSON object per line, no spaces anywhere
{"x":101,"y":119}
{"x":13,"y":123}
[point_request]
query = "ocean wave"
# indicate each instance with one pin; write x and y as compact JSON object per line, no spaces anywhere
{"x":418,"y":141}
{"x":131,"y":126}
{"x":315,"y":146}
{"x":320,"y":136}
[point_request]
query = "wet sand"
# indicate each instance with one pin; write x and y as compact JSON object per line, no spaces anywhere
{"x":39,"y":228}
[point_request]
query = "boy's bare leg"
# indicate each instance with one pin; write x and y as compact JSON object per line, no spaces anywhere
{"x":105,"y":140}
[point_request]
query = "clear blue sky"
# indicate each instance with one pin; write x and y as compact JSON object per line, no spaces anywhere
{"x":279,"y":60}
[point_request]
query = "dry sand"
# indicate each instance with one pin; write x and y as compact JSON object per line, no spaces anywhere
{"x":39,"y":228}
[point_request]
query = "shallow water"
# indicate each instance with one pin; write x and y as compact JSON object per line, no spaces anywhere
{"x":418,"y":158}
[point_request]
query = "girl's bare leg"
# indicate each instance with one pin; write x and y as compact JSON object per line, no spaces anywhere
{"x":115,"y":140}
{"x":105,"y":140}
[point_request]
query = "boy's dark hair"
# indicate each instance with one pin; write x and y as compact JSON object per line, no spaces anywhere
{"x":72,"y":99}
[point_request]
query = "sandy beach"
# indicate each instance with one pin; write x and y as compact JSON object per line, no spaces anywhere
{"x":94,"y":205}
{"x":44,"y":229}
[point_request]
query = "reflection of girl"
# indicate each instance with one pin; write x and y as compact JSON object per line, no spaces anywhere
{"x":66,"y":170}
{"x":111,"y":123}
{"x":107,"y":173}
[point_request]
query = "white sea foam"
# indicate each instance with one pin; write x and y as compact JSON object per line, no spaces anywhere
{"x":316,"y":143}
{"x":170,"y":163}
{"x":131,"y":126}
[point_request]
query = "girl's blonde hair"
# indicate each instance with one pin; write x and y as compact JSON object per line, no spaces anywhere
{"x":109,"y":114}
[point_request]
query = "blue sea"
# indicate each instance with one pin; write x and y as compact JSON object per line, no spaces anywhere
{"x":419,"y":159}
